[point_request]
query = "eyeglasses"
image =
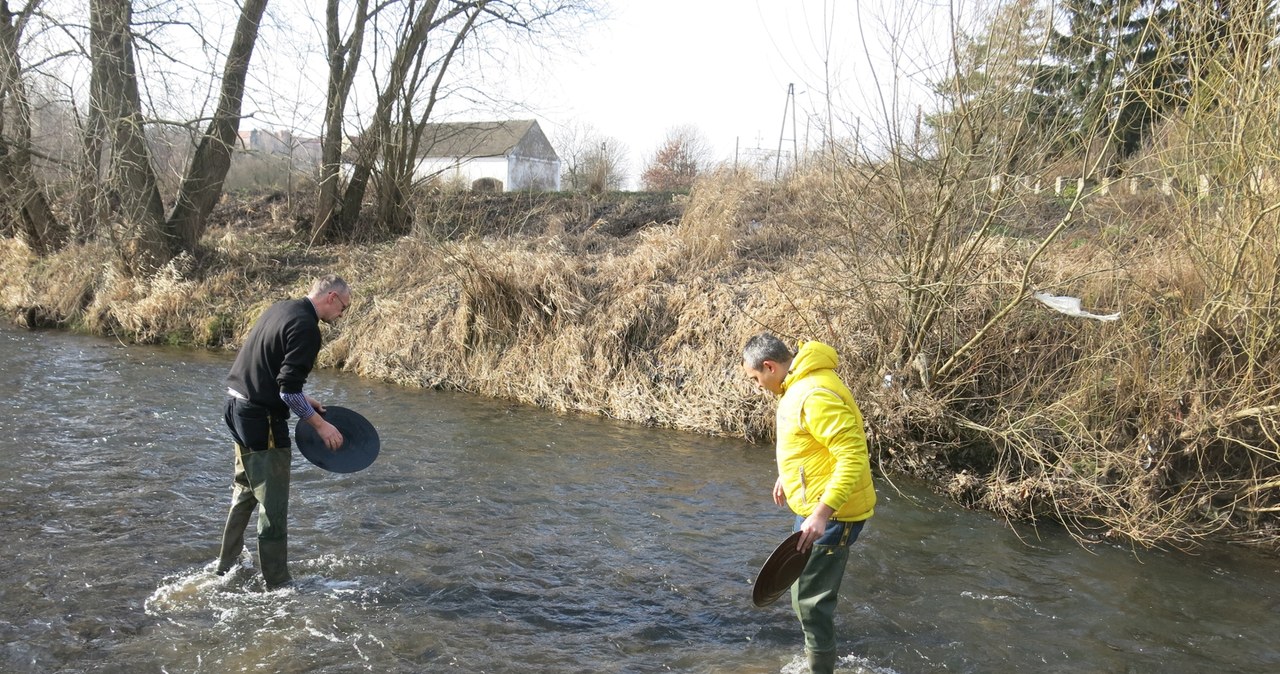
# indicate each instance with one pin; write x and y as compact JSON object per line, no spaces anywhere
{"x":344,"y":304}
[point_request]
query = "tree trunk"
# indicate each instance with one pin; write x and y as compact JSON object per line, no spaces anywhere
{"x":202,"y":184}
{"x":91,"y":208}
{"x":376,"y":134}
{"x":343,"y":60}
{"x":400,"y":151}
{"x":31,"y":217}
{"x":143,"y":242}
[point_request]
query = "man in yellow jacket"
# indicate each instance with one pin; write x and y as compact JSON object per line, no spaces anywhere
{"x":824,"y":475}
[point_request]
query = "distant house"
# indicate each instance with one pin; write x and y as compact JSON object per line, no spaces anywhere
{"x":494,"y":156}
{"x":303,"y":151}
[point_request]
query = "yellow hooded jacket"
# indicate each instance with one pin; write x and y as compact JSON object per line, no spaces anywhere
{"x":822,"y":447}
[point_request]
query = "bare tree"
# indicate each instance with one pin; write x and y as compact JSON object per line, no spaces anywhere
{"x":344,"y":56}
{"x":116,"y":141}
{"x":143,"y":241}
{"x":400,"y":152}
{"x":427,"y":39}
{"x":677,"y":162}
{"x":119,"y":189}
{"x":417,"y":24}
{"x":28,"y":215}
{"x":202,"y":183}
{"x":590,"y":160}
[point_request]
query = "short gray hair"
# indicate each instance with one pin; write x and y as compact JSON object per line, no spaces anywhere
{"x":329,"y":283}
{"x":765,"y":346}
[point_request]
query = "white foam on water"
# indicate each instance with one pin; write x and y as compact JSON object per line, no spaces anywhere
{"x":988,"y":597}
{"x":200,"y":591}
{"x":311,"y":629}
{"x":796,"y":666}
{"x":856,"y":664}
{"x":290,"y":623}
{"x":186,"y":590}
{"x":848,"y":664}
{"x":1020,"y":603}
{"x":331,"y":562}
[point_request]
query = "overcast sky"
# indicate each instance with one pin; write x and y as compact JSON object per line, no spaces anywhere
{"x":721,"y":66}
{"x":724,"y":66}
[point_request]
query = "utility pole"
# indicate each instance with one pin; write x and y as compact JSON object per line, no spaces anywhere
{"x":791,"y":104}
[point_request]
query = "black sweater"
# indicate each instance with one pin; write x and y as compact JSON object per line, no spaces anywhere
{"x":278,"y":354}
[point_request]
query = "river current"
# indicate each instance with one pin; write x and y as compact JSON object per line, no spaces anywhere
{"x":490,"y":537}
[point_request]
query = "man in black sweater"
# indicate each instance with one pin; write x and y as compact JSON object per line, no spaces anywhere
{"x":263,"y":387}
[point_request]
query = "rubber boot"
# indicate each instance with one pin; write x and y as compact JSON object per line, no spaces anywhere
{"x":823,"y":662}
{"x":274,"y":557}
{"x":243,"y":504}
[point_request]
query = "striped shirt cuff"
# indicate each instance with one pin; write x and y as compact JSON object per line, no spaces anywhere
{"x":298,"y":403}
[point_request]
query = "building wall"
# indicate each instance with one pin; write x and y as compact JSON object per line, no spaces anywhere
{"x":515,"y":173}
{"x":531,"y":164}
{"x":534,"y":164}
{"x":467,"y":171}
{"x":528,"y":173}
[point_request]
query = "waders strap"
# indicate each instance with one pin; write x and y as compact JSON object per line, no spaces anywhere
{"x":271,"y":441}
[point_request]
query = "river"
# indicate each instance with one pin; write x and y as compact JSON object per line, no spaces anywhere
{"x":490,"y":537}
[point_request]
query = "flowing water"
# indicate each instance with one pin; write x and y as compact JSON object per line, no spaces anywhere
{"x":495,"y":538}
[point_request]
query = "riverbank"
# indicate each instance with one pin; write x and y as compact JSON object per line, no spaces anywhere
{"x":1151,"y":429}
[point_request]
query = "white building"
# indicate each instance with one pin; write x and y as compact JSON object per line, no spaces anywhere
{"x":497,"y":156}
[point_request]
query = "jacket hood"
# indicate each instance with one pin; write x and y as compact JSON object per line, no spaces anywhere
{"x":811,"y":356}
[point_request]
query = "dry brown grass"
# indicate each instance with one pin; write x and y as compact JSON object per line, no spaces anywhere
{"x":51,"y":291}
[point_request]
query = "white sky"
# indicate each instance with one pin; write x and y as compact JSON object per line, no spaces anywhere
{"x":724,"y":66}
{"x":721,"y":66}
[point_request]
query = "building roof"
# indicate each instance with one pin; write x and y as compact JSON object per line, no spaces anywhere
{"x":473,"y":139}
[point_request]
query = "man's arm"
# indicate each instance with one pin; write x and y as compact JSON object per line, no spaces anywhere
{"x":301,"y":404}
{"x":838,"y":428}
{"x":302,"y":346}
{"x":309,"y":410}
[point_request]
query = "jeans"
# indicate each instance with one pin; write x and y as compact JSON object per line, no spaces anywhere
{"x":814,"y":594}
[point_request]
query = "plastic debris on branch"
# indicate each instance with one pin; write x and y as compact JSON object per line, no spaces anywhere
{"x":1070,"y":306}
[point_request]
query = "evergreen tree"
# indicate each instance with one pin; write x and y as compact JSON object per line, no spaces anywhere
{"x":1104,"y":73}
{"x":1222,"y":32}
{"x":991,"y":100}
{"x":1121,"y":66}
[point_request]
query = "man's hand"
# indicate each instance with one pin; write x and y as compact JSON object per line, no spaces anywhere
{"x":779,"y":495}
{"x":331,"y":436}
{"x":813,"y":527}
{"x":315,"y":404}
